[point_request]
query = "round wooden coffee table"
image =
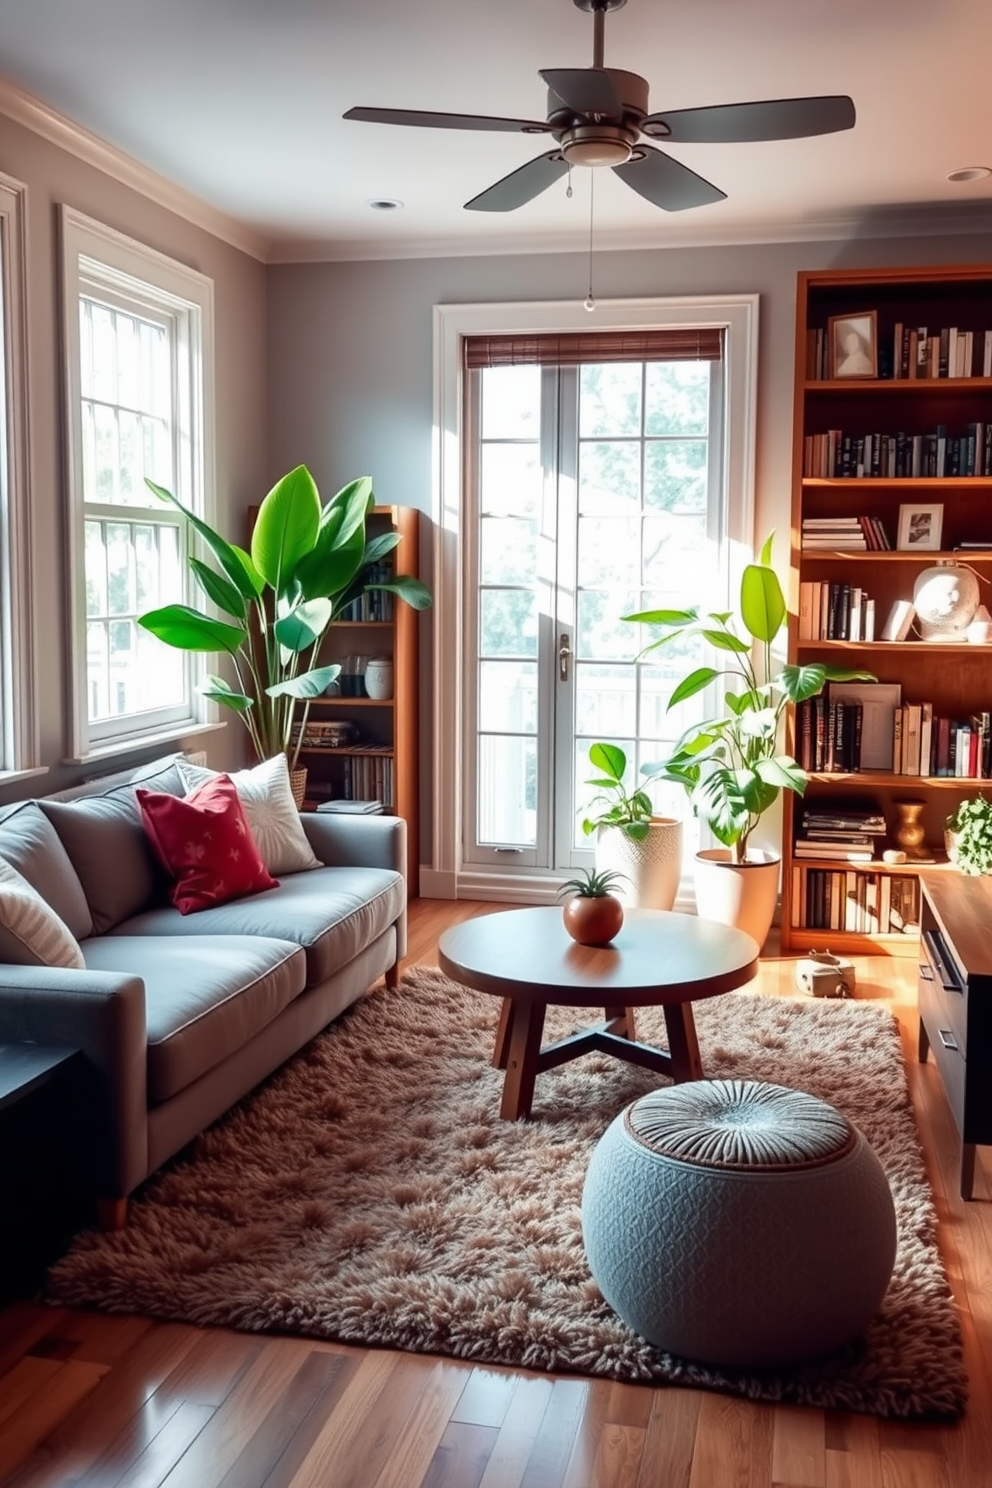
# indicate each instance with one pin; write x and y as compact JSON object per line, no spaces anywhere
{"x":659,"y":959}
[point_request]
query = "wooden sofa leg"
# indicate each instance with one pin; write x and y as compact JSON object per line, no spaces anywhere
{"x":392,"y":977}
{"x":111,"y":1213}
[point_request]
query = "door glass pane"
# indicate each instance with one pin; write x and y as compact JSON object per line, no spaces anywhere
{"x":600,"y":633}
{"x":508,"y":696}
{"x":610,"y":476}
{"x":507,"y":790}
{"x":510,"y":478}
{"x":609,"y":550}
{"x":511,"y":403}
{"x":507,"y":623}
{"x":605,"y":701}
{"x":610,"y":399}
{"x":508,"y":547}
{"x":677,"y":558}
{"x":675,"y":475}
{"x":677,"y":398}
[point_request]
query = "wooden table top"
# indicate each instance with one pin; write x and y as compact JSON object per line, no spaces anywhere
{"x":659,"y":957}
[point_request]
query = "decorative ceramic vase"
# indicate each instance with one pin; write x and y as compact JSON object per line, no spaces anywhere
{"x":740,"y":894}
{"x":592,"y":921}
{"x":651,"y":867}
{"x":945,"y":598}
{"x":379,"y":678}
{"x":909,"y":833}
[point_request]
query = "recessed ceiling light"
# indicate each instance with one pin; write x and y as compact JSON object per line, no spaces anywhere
{"x":970,"y":173}
{"x":385,"y":204}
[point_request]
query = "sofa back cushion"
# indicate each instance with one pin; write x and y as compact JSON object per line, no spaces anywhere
{"x":107,"y":845}
{"x":31,"y":845}
{"x":31,"y":933}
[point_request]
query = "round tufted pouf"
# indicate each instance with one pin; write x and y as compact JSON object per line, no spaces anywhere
{"x":739,"y":1223}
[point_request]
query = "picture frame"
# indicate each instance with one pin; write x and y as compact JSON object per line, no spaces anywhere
{"x":853,"y":344}
{"x":920,"y":525}
{"x":879,"y":702}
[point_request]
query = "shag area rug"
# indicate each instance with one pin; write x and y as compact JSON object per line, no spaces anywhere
{"x":369,"y":1193}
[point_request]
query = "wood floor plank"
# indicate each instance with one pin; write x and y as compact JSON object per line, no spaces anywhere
{"x":670,"y":1439}
{"x":518,"y":1433}
{"x":733,"y":1444}
{"x":28,"y":1376}
{"x":315,"y":1376}
{"x":615,"y":1462}
{"x":22,"y":1324}
{"x":552,"y":1450}
{"x":155,"y":1464}
{"x":799,"y":1448}
{"x":45,"y":1410}
{"x":423,"y":1429}
{"x":486,"y":1397}
{"x":461,"y":1457}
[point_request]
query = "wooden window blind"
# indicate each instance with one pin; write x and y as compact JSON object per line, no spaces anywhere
{"x":691,"y":344}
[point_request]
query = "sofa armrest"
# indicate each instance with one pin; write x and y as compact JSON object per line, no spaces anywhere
{"x":102,"y":1014}
{"x":357,"y":841}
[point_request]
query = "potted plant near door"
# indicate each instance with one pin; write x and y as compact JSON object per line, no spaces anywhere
{"x":733,"y":767}
{"x":307,"y":563}
{"x":643,"y":850}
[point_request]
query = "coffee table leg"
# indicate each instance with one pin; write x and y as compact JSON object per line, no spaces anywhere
{"x":501,"y":1051}
{"x":521,"y":1066}
{"x":682,"y":1042}
{"x":621,"y":1022}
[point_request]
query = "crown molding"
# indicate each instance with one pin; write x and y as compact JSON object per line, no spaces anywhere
{"x":23,"y":108}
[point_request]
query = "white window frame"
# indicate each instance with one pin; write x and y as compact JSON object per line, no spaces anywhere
{"x":126,"y":272}
{"x":19,"y":735}
{"x":447,"y":876}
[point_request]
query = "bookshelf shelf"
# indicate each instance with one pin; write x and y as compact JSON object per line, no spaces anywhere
{"x":873,"y":422}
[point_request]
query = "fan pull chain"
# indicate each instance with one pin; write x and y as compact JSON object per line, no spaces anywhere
{"x":590,"y":301}
{"x":568,"y":188}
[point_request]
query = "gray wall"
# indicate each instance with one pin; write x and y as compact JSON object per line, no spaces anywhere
{"x":53,"y":176}
{"x":351,"y":356}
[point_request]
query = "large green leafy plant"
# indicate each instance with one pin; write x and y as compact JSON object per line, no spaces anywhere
{"x":734,"y":768}
{"x":613,"y":805}
{"x":307,"y":563}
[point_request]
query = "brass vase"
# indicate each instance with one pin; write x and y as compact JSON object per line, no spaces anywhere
{"x":909,"y":833}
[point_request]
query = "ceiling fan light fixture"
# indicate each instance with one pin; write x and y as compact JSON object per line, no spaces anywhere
{"x":970,"y":173}
{"x":595,"y":144}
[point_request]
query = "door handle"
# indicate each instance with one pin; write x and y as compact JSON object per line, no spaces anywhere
{"x":564,"y":652}
{"x":947,"y":1038}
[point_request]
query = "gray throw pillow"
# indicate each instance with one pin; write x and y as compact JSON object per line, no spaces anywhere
{"x":31,"y":845}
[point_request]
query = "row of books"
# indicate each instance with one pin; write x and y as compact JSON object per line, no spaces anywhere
{"x":859,"y":534}
{"x":851,"y":833}
{"x":928,"y":744}
{"x":912,"y":352}
{"x":372,"y":604}
{"x":836,"y":455}
{"x":847,"y":899}
{"x":335,"y":733}
{"x":828,"y":734}
{"x":834,"y":610}
{"x":369,"y":777}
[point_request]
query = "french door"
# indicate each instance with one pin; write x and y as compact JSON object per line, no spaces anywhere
{"x":593,"y":491}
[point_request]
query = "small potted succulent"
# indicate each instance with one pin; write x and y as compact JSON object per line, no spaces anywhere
{"x":642,"y":849}
{"x":593,"y":914}
{"x":969,"y":836}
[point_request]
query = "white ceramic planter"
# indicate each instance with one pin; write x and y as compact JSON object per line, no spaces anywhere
{"x":651,"y":868}
{"x":740,"y":894}
{"x":379,"y":678}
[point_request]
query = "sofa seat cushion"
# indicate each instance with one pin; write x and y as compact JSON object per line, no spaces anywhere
{"x":333,"y":913}
{"x":204,"y":997}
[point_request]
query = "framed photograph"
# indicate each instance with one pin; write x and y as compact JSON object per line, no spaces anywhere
{"x":879,"y":701}
{"x":853,"y":341}
{"x":919,"y":527}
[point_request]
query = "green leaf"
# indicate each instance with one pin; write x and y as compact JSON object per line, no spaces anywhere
{"x":762,"y":602}
{"x":783,"y":773}
{"x":286,"y":527}
{"x":689,"y":686}
{"x":307,"y":685}
{"x":218,"y":589}
{"x":353,"y":502}
{"x":415,"y":593}
{"x":663,"y":617}
{"x":233,"y":560}
{"x":765,"y":556}
{"x":220,"y":691}
{"x":609,"y":758}
{"x":188,"y":630}
{"x":330,"y":569}
{"x":380,"y":547}
{"x":725,"y":640}
{"x":304,"y":625}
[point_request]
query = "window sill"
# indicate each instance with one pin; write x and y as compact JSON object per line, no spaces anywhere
{"x":9,"y":777}
{"x":146,"y":741}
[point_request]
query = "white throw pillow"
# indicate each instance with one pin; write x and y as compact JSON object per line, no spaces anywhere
{"x":31,"y":933}
{"x":267,"y":798}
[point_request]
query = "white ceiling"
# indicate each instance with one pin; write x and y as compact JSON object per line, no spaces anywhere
{"x":240,"y":102}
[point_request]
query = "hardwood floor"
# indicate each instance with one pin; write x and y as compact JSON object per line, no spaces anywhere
{"x":100,"y":1401}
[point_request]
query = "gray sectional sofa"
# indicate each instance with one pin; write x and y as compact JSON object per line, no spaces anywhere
{"x":177,"y":1017}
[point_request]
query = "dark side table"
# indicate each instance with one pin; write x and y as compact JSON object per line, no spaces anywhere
{"x":26,"y":1067}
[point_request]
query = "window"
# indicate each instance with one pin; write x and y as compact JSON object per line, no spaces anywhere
{"x":139,"y":364}
{"x":591,"y":480}
{"x":18,"y":724}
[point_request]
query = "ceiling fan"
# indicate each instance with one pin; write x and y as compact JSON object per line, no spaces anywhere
{"x":597,"y":115}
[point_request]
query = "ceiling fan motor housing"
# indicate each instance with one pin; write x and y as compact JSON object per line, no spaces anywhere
{"x":594,"y":139}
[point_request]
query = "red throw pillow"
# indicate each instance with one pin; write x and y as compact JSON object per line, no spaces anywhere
{"x":205,"y":843}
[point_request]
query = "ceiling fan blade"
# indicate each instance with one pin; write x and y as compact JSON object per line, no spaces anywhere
{"x":666,"y":182}
{"x":521,"y":185}
{"x":585,"y":90}
{"x":741,"y":123}
{"x":447,"y":121}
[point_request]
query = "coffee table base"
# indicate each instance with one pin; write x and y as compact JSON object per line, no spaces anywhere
{"x":518,"y":1048}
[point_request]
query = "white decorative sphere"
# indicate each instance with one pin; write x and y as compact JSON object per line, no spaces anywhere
{"x":946,"y":599}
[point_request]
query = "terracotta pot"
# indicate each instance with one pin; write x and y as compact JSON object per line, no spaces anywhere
{"x":592,"y":922}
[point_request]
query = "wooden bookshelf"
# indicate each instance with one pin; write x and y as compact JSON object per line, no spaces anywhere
{"x":955,"y":678}
{"x":388,"y":730}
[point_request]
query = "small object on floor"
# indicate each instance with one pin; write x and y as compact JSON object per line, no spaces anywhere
{"x":738,"y":1223}
{"x":823,"y":974}
{"x":352,"y":808}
